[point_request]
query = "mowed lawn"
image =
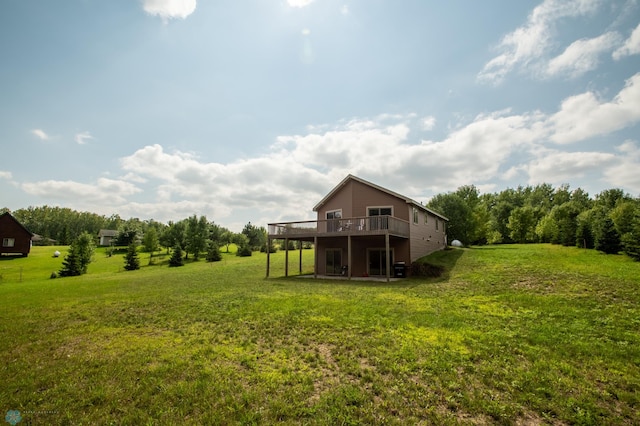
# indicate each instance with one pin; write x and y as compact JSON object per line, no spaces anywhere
{"x":514,"y":334}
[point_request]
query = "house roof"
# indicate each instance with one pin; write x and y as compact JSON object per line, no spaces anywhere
{"x":107,"y":233}
{"x":379,"y":188}
{"x":7,"y":214}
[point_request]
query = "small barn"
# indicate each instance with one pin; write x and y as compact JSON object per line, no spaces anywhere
{"x":107,"y":236}
{"x":14,"y":238}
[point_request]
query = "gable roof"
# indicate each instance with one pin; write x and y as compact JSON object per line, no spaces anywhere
{"x":379,"y":188}
{"x":107,"y":233}
{"x":10,"y":216}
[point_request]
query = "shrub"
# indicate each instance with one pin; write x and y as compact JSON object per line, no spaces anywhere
{"x":213,"y":254}
{"x":272,"y":248}
{"x":244,"y":251}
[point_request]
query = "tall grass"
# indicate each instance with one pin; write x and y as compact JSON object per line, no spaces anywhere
{"x":531,"y":334}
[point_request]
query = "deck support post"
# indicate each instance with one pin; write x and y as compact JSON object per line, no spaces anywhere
{"x":388,"y":260}
{"x":286,"y":257}
{"x":268,"y":252}
{"x":300,"y":265}
{"x":315,"y":256}
{"x":349,"y":264}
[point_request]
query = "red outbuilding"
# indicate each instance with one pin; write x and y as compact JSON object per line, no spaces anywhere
{"x":14,"y":238}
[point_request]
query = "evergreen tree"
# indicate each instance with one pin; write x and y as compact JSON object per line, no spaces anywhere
{"x":631,"y":240}
{"x":86,"y":247}
{"x":607,"y":239}
{"x":213,"y":253}
{"x":80,"y":254}
{"x":71,"y":266}
{"x":244,"y":251}
{"x":176,"y":257}
{"x":257,"y":236}
{"x":131,"y":260}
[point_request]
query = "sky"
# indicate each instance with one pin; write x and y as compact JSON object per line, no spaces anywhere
{"x":253,"y":110}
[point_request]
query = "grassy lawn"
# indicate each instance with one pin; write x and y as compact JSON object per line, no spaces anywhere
{"x":518,"y":334}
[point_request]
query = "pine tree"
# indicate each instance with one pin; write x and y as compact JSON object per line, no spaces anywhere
{"x":80,"y":253}
{"x":607,"y":239}
{"x":213,"y":253}
{"x":71,"y":265}
{"x":131,"y":260}
{"x":176,"y":257}
{"x":631,"y":240}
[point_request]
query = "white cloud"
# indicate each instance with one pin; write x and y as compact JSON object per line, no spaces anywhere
{"x":169,"y":9}
{"x":584,"y":116}
{"x":82,"y":138}
{"x":582,"y":55}
{"x":624,"y":174}
{"x":5,"y":175}
{"x":428,"y":123}
{"x":558,"y":167}
{"x":383,"y":150}
{"x":299,"y":3}
{"x":40,"y":134}
{"x":630,"y":47}
{"x":524,"y":46}
{"x":258,"y":184}
{"x":103,"y":191}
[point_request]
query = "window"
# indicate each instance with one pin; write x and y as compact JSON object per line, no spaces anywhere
{"x":8,"y":242}
{"x":415,"y":216}
{"x":378,"y":217}
{"x":426,"y":218}
{"x":333,"y":220}
{"x":377,"y":261}
{"x":380,"y":211}
{"x":334,"y":262}
{"x":437,"y":224}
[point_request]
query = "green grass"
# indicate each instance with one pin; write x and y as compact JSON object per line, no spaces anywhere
{"x":519,"y":334}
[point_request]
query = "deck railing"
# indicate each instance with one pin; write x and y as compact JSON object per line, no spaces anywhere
{"x":369,"y":225}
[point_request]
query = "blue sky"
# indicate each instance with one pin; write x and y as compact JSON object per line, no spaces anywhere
{"x":253,"y":110}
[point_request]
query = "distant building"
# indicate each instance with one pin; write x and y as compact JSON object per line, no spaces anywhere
{"x":14,"y":238}
{"x":106,"y":237}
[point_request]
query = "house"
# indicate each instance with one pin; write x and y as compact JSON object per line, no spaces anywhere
{"x":106,"y":237}
{"x":14,"y":238}
{"x":363,"y":229}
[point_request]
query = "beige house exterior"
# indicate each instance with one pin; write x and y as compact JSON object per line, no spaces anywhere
{"x":365,"y":230}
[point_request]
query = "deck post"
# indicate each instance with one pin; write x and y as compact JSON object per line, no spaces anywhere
{"x":315,"y":256}
{"x":349,"y":264}
{"x":300,"y":242}
{"x":388,"y":261}
{"x":286,"y":257}
{"x":268,"y":250}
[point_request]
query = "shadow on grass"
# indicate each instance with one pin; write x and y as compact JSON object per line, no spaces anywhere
{"x":437,"y":267}
{"x":11,"y":256}
{"x":443,"y":261}
{"x":495,"y":247}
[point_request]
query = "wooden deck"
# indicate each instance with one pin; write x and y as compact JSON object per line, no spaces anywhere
{"x":353,"y":226}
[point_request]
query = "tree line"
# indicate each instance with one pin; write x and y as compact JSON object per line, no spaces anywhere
{"x":609,"y":222}
{"x":195,"y":235}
